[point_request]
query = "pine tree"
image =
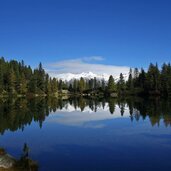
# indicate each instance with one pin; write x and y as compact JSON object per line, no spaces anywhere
{"x":70,"y":88}
{"x":111,"y":85}
{"x":60,"y":85}
{"x":40,"y":76}
{"x":81,"y":85}
{"x":91,"y":84}
{"x":142,"y":78}
{"x":75,"y":85}
{"x":46,"y":84}
{"x":103,"y":85}
{"x":22,"y":84}
{"x":95,"y":83}
{"x":54,"y":85}
{"x":121,"y":84}
{"x":130,"y":84}
{"x":135,"y":77}
{"x":32,"y":86}
{"x":153,"y":78}
{"x":1,"y":78}
{"x":49,"y":87}
{"x":169,"y":78}
{"x":11,"y":81}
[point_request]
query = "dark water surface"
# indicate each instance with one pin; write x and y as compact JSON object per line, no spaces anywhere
{"x":89,"y":135}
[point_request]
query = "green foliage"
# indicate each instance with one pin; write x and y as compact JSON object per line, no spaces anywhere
{"x":81,"y":85}
{"x":121,"y":86}
{"x":130,"y":84}
{"x":153,"y":82}
{"x":111,"y":85}
{"x":17,"y":78}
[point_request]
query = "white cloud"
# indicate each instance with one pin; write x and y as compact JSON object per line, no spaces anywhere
{"x":84,"y":64}
{"x":93,"y":58}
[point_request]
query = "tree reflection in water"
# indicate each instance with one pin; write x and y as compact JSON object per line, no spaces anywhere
{"x":17,"y":113}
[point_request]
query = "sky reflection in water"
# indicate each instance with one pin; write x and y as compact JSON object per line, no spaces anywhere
{"x":71,"y":139}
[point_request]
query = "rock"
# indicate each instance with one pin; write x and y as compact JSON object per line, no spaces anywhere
{"x":6,"y":161}
{"x":9,"y":163}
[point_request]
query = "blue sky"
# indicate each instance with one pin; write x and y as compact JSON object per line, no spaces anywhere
{"x":129,"y":33}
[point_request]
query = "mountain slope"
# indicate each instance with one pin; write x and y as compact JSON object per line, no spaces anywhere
{"x":87,"y":75}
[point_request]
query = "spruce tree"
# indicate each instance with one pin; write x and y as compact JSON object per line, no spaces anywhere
{"x":130,"y":84}
{"x":11,"y":81}
{"x":81,"y":85}
{"x":22,"y":89}
{"x":75,"y":85}
{"x":121,"y":84}
{"x":111,"y":85}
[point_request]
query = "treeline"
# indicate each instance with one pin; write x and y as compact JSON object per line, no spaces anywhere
{"x":18,"y":78}
{"x":153,"y":82}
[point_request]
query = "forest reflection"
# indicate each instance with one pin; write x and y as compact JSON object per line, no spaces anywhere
{"x":16,"y":113}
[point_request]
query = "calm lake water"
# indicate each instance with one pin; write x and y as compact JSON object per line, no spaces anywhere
{"x":89,"y":135}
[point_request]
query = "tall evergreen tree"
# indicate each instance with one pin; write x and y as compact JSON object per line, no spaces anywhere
{"x":54,"y":85}
{"x":121,"y":84}
{"x":22,"y":89}
{"x":81,"y":85}
{"x":111,"y":85}
{"x":75,"y":85}
{"x":153,"y":78}
{"x":11,"y":81}
{"x":130,"y":84}
{"x":103,"y":85}
{"x":1,"y":78}
{"x":142,"y":78}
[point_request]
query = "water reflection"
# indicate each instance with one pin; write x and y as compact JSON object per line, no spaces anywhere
{"x":77,"y":133}
{"x":17,"y":113}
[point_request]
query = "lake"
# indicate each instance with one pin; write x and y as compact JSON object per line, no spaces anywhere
{"x":89,"y":134}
